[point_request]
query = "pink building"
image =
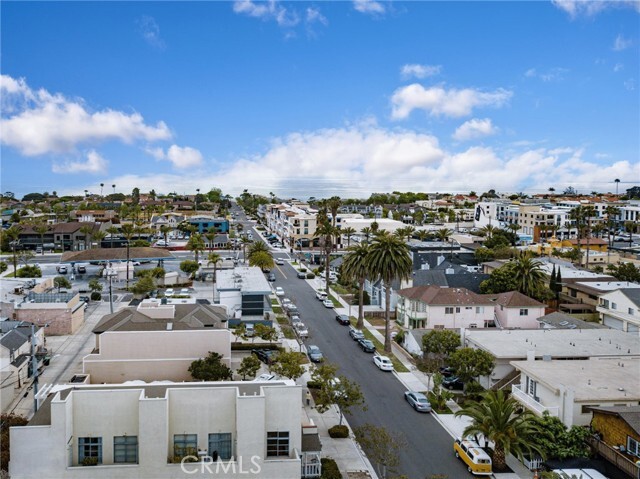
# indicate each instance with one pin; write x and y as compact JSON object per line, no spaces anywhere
{"x":515,"y":310}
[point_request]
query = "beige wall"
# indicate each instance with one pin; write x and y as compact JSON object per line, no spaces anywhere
{"x":52,"y":451}
{"x":153,"y":355}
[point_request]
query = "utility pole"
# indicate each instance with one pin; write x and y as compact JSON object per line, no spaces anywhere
{"x":34,"y":367}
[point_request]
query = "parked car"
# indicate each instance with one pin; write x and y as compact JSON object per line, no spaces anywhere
{"x":355,"y":334}
{"x":418,"y":401}
{"x":279,"y":291}
{"x":383,"y":363}
{"x":343,"y":319}
{"x":447,"y":371}
{"x":250,"y":330}
{"x":279,"y":261}
{"x":327,"y":303}
{"x":366,"y":345}
{"x":321,"y":295}
{"x":295,"y":318}
{"x":169,"y":292}
{"x":62,"y":269}
{"x":302,"y":275}
{"x":314,"y":353}
{"x":86,"y":299}
{"x":271,"y":277}
{"x":267,"y":356}
{"x":301,"y":329}
{"x":82,"y":269}
{"x":453,"y":382}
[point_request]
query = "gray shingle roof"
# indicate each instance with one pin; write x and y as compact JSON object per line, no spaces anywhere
{"x":629,"y":414}
{"x":633,"y":294}
{"x":15,"y":338}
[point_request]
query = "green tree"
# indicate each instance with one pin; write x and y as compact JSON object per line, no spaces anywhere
{"x":348,"y":232}
{"x":355,"y":266}
{"x":144,"y":285}
{"x":625,"y":272}
{"x":165,"y":230}
{"x":382,"y":447}
{"x":112,"y":231}
{"x":471,"y":363}
{"x":95,"y":286}
{"x":87,"y":230}
{"x":25,"y":256}
{"x":438,"y":396}
{"x":61,"y":282}
{"x":13,"y":236}
{"x":266,"y":333}
{"x":336,"y":390}
{"x":3,"y":267}
{"x":214,"y":259}
{"x":196,"y":244}
{"x":483,"y":254}
{"x":528,"y":274}
{"x":502,"y":420}
{"x":288,"y":364}
{"x":210,"y":368}
{"x":440,"y":344}
{"x":500,"y":280}
{"x":559,"y":442}
{"x":189,"y":267}
{"x":325,"y":231}
{"x":29,"y":271}
{"x":389,"y":260}
{"x":249,"y":367}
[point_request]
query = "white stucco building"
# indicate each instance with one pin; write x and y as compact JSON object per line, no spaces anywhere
{"x":145,"y":430}
{"x":620,"y":309}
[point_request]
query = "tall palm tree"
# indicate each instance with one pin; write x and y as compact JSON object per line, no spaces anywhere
{"x":326,"y":233}
{"x":99,"y":236}
{"x":422,"y":235}
{"x":196,"y":244}
{"x":128,"y":231}
{"x":333,"y":205}
{"x":528,"y":274}
{"x":165,"y":230}
{"x":86,"y":230}
{"x":388,"y":260}
{"x":213,"y":259}
{"x":13,"y":234}
{"x":348,"y":231}
{"x":612,"y":212}
{"x":406,"y":231}
{"x":112,"y":230}
{"x":245,"y":242}
{"x":443,"y":234}
{"x":41,"y":229}
{"x":367,"y":232}
{"x":488,"y":230}
{"x":211,"y":236}
{"x":355,"y":266}
{"x":501,"y":420}
{"x":617,"y":182}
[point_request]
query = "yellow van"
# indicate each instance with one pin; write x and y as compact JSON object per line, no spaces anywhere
{"x":477,"y":460}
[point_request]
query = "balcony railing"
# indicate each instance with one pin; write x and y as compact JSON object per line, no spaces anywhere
{"x":310,"y":463}
{"x":615,"y":457}
{"x":531,"y":403}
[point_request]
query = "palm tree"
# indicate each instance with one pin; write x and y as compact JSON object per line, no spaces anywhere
{"x":406,"y":231}
{"x":213,"y":259}
{"x":443,"y":234}
{"x":367,"y":232}
{"x":611,"y":212}
{"x":165,"y":230}
{"x":422,"y":235}
{"x":112,"y":230}
{"x":326,"y":232}
{"x":101,"y":186}
{"x":99,"y":236}
{"x":355,"y":266}
{"x":261,"y":259}
{"x":13,"y":234}
{"x":617,"y":182}
{"x":86,"y":230}
{"x":211,"y":236}
{"x":528,"y":274}
{"x":488,"y":230}
{"x":348,"y":231}
{"x":245,"y":242}
{"x":196,"y":244}
{"x":501,"y":420}
{"x":389,"y":259}
{"x":41,"y":229}
{"x":128,"y":231}
{"x":333,"y":204}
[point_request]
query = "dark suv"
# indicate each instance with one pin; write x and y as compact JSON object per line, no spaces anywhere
{"x":453,"y":382}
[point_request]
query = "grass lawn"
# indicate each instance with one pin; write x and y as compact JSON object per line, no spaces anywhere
{"x":282,"y":319}
{"x":276,"y":309}
{"x":274,"y":301}
{"x":336,"y":303}
{"x":376,"y":321}
{"x":338,"y":288}
{"x":288,"y":332}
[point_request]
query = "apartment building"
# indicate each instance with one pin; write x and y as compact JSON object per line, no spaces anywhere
{"x":292,"y":222}
{"x":156,"y":430}
{"x":543,"y":222}
{"x":244,"y":291}
{"x":62,"y":313}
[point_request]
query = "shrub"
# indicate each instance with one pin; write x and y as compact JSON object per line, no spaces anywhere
{"x":29,"y":271}
{"x":338,"y":431}
{"x":310,"y":275}
{"x":90,"y":461}
{"x":399,"y":337}
{"x":95,"y":296}
{"x":329,"y":469}
{"x":313,"y":384}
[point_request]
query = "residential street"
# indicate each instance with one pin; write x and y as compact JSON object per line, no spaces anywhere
{"x":429,"y":449}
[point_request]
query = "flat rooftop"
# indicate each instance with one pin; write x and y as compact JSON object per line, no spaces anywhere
{"x":557,"y":343}
{"x":599,"y":379}
{"x":248,"y":279}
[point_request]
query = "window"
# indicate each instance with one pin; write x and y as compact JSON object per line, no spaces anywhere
{"x":89,"y":447}
{"x":630,"y":311}
{"x":605,"y":303}
{"x":633,"y":446}
{"x":531,"y":387}
{"x":125,"y":449}
{"x":220,"y":445}
{"x":473,"y":326}
{"x":524,"y":312}
{"x":448,"y":310}
{"x":185,"y":445}
{"x":479,"y":309}
{"x":457,"y":309}
{"x":614,"y":306}
{"x":278,"y":443}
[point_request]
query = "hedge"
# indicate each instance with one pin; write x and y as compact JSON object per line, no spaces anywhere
{"x":338,"y":431}
{"x":249,"y":346}
{"x":329,"y":469}
{"x":313,"y":384}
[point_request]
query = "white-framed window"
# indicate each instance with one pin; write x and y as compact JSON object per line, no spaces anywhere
{"x":448,"y":310}
{"x":633,"y":446}
{"x":185,"y":444}
{"x":479,"y":309}
{"x":524,"y":312}
{"x":125,"y":449}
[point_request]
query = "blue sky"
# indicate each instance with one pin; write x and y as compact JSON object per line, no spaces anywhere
{"x":320,"y":98}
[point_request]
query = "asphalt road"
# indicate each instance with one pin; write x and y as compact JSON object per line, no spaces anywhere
{"x":429,"y":447}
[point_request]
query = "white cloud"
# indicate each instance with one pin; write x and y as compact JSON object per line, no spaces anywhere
{"x":94,"y":165}
{"x":271,"y":10}
{"x":419,"y":71}
{"x":553,"y":74}
{"x":357,"y":160}
{"x":313,"y":15}
{"x":150,"y":31}
{"x":621,"y":43}
{"x":475,"y":128}
{"x":369,"y":6}
{"x":589,"y":8}
{"x":618,"y":67}
{"x":44,"y":123}
{"x":180,"y":157}
{"x":630,"y":84}
{"x":437,"y":101}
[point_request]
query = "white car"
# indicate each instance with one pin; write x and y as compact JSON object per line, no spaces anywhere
{"x":301,"y":329}
{"x":279,"y":291}
{"x":383,"y":363}
{"x":169,"y":292}
{"x":279,"y":261}
{"x":321,"y":295}
{"x":327,"y":303}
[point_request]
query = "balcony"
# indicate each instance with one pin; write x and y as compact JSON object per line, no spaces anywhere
{"x":530,"y":403}
{"x":615,"y":457}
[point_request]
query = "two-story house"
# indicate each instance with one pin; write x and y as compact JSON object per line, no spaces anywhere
{"x":516,"y":310}
{"x":620,"y":309}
